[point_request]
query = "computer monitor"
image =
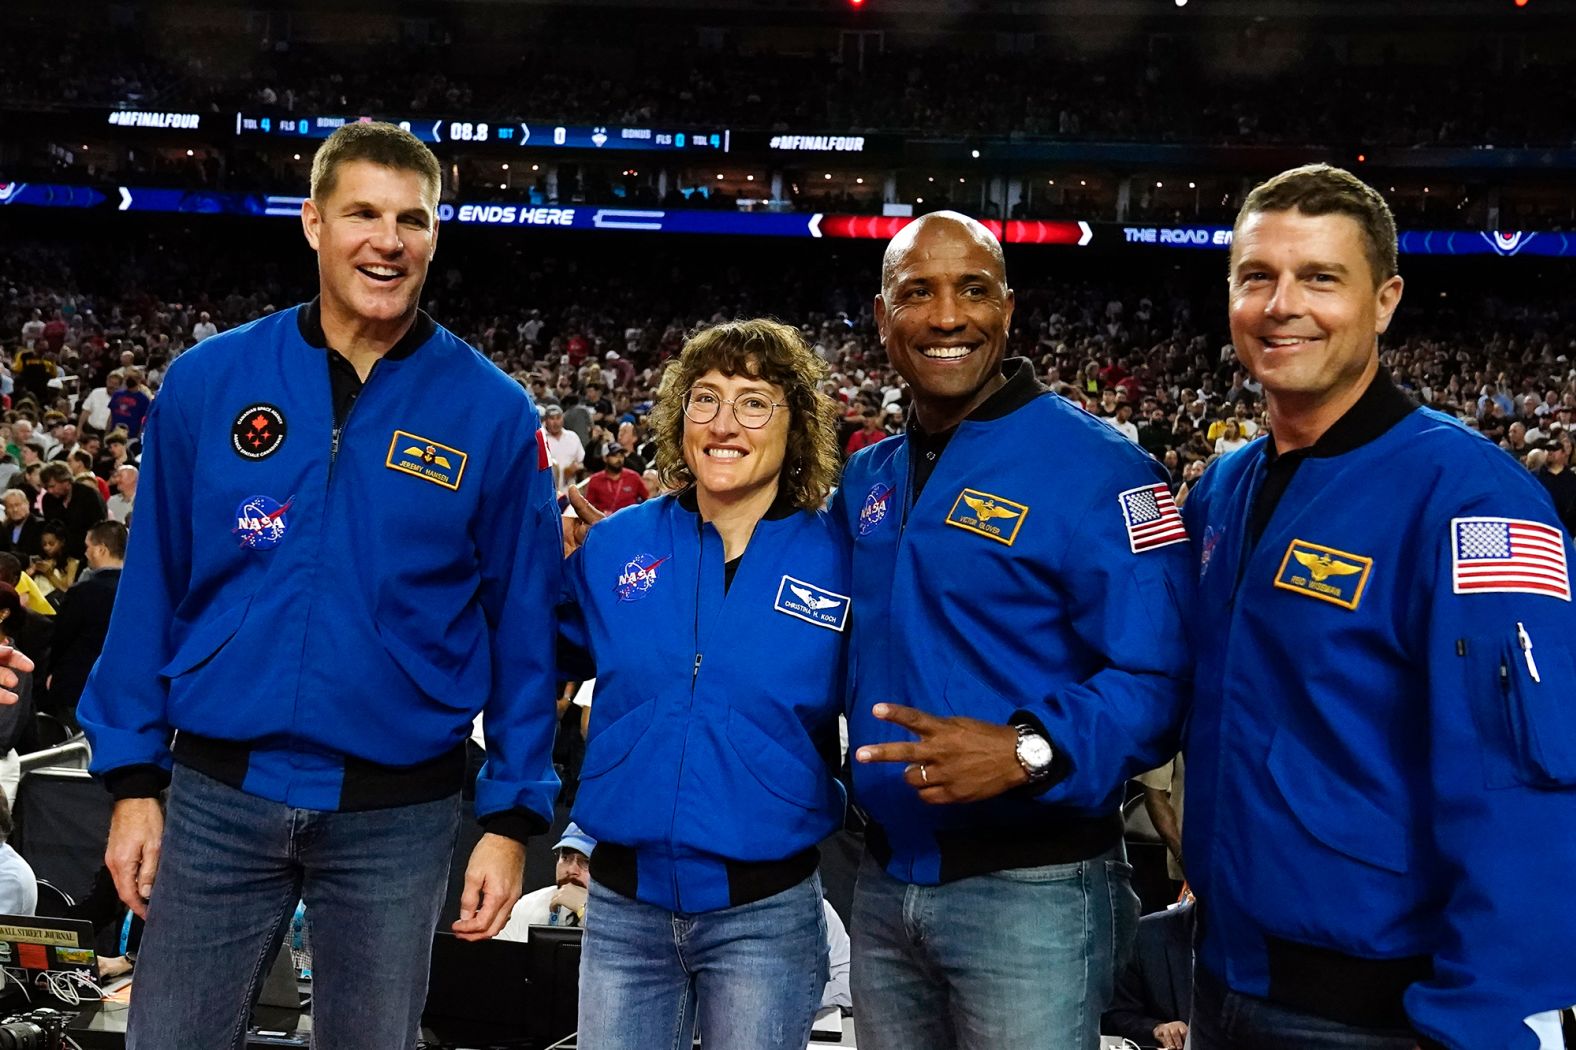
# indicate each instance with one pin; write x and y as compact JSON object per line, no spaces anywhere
{"x":553,"y":961}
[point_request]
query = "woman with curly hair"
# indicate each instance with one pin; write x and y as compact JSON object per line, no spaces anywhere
{"x":714,"y":619}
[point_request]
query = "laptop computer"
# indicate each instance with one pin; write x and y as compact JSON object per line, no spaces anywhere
{"x":49,"y":956}
{"x":477,"y":991}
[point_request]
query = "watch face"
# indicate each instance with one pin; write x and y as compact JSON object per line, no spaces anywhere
{"x":1034,"y":751}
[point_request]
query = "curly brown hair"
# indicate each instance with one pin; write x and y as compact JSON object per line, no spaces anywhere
{"x":772,"y":352}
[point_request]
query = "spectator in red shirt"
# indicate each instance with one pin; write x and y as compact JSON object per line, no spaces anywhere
{"x":871,"y":433}
{"x":614,"y":488}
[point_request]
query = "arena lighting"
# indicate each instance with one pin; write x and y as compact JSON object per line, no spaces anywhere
{"x":298,"y":156}
{"x":1362,"y":158}
{"x":506,"y":167}
{"x":975,"y":154}
{"x":1183,"y":3}
{"x":1521,"y":3}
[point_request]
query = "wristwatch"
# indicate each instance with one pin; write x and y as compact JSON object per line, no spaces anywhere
{"x":1034,"y":753}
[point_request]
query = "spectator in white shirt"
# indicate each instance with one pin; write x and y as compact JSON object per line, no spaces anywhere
{"x":563,"y":446}
{"x":1123,"y":423}
{"x":203,"y":328}
{"x":18,"y":886}
{"x":95,"y":407}
{"x":124,"y":482}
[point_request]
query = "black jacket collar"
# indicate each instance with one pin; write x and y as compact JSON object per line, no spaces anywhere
{"x":1381,"y":407}
{"x":782,"y":506}
{"x":309,"y":319}
{"x":1019,"y":389}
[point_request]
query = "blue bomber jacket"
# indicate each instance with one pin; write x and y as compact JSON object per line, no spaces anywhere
{"x":1039,"y":576}
{"x":1381,"y":779}
{"x":702,"y":782}
{"x":319,"y":611}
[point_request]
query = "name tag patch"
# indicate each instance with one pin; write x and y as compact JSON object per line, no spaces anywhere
{"x":1325,"y":573}
{"x":812,"y":604}
{"x":993,"y":517}
{"x":426,"y":459}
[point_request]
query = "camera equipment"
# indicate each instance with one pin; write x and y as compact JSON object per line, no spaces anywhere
{"x":41,"y":1029}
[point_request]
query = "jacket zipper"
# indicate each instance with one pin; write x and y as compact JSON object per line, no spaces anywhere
{"x":341,"y":424}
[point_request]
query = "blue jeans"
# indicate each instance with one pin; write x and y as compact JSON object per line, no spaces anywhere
{"x":1227,"y":1020}
{"x":1023,"y":958}
{"x":232,"y":869}
{"x":751,"y":975}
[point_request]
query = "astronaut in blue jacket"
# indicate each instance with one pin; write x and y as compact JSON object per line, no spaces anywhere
{"x":715,"y":622}
{"x":346,"y":546}
{"x":1382,"y":744}
{"x":1022,"y":615}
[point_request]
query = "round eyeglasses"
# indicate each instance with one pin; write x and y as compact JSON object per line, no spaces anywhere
{"x":753,"y":411}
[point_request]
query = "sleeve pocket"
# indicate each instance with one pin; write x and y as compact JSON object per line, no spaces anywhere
{"x":1542,"y":727}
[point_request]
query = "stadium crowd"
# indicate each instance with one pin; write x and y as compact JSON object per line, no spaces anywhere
{"x":1147,"y":354}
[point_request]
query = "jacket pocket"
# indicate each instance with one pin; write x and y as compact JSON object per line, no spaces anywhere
{"x":611,"y":746}
{"x":967,"y":696}
{"x":776,"y":768}
{"x":205,"y":641}
{"x":1334,"y":811}
{"x":446,"y":687}
{"x":1538,"y":711}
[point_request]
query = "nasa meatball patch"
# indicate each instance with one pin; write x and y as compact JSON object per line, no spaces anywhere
{"x":260,"y":522}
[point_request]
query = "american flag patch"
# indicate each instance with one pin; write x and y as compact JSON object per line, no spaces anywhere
{"x":543,"y":460}
{"x":1508,"y":555}
{"x":1151,"y":517}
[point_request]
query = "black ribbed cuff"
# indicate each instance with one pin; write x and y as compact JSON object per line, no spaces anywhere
{"x":518,"y":824}
{"x":140,"y":781}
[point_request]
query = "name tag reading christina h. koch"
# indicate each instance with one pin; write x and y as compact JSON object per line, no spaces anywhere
{"x":812,"y":604}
